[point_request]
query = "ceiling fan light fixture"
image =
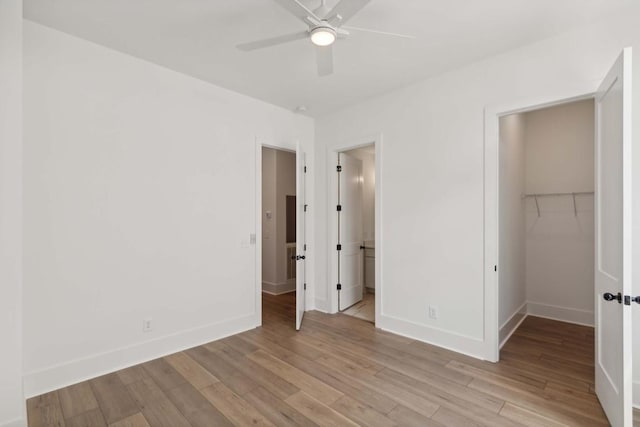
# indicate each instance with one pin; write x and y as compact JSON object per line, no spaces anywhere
{"x":323,"y":36}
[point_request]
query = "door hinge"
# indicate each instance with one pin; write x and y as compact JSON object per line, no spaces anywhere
{"x":339,"y":286}
{"x":305,"y":207}
{"x":495,"y":268}
{"x":304,"y":247}
{"x":339,"y":168}
{"x":305,"y":286}
{"x":305,"y":169}
{"x":339,"y":247}
{"x":339,"y":208}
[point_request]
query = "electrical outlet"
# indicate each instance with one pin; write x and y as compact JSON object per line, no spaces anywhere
{"x":147,"y":325}
{"x":433,"y":312}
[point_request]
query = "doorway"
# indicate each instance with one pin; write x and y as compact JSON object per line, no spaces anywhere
{"x":282,"y":246}
{"x":546,"y":211}
{"x":612,"y":292}
{"x":355,"y":232}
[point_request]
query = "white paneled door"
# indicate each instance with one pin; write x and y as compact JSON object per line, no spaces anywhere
{"x":301,"y":242}
{"x":350,"y":267}
{"x":613,"y":243}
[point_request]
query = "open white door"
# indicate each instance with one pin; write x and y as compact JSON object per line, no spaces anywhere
{"x":349,"y":231}
{"x":613,"y":243}
{"x":301,"y":242}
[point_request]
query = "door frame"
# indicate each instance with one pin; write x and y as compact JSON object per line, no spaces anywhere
{"x":332,"y":198}
{"x":491,"y":163}
{"x":259,"y":144}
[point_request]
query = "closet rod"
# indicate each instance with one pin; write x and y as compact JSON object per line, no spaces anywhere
{"x":573,"y":195}
{"x":579,"y":193}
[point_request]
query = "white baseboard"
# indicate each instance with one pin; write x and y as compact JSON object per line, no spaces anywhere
{"x":509,"y":327}
{"x":636,"y":395}
{"x":18,"y":422}
{"x":279,"y":293}
{"x":55,"y":377}
{"x":321,"y":305}
{"x":467,"y":345}
{"x":278,"y":288}
{"x":564,"y":314}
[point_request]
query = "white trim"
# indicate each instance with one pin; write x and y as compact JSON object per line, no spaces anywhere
{"x":321,"y":305}
{"x":562,"y":314}
{"x":331,"y":304}
{"x":442,"y":338}
{"x":258,"y":232}
{"x":636,"y":394}
{"x":65,"y":374}
{"x":512,"y":324}
{"x":278,"y":293}
{"x":492,"y":114}
{"x":17,"y":422}
{"x":278,"y":288}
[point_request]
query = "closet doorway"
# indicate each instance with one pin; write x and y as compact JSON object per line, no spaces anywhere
{"x":546,"y":211}
{"x":555,"y":218}
{"x":355,"y":232}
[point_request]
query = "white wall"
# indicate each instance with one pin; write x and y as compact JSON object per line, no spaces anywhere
{"x":278,"y":182}
{"x":512,"y":292}
{"x":559,"y":244}
{"x":432,"y":175}
{"x":11,"y":396}
{"x":139,"y":202}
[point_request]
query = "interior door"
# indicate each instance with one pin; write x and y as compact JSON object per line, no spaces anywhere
{"x":350,"y":267}
{"x":613,"y":242}
{"x":301,"y":242}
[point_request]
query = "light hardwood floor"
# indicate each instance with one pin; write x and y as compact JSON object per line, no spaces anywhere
{"x":365,"y":309}
{"x":337,"y":371}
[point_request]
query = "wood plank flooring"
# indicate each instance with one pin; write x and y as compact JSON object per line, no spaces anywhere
{"x":341,"y":371}
{"x":365,"y":309}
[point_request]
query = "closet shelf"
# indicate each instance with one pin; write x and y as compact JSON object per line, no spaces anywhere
{"x":573,"y":195}
{"x":579,"y":193}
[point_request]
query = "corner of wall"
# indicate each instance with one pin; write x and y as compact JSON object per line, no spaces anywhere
{"x":321,"y":305}
{"x":563,"y":314}
{"x":509,"y":327}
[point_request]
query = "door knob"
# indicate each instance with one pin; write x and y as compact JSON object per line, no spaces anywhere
{"x":610,"y":297}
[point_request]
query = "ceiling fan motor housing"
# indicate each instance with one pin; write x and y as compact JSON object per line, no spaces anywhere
{"x":323,"y":35}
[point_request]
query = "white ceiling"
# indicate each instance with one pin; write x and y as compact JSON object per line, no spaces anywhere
{"x":198,"y":37}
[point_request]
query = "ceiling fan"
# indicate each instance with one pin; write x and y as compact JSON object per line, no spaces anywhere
{"x":325,"y":26}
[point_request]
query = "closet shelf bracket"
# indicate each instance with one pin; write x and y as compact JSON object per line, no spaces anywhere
{"x":573,"y":196}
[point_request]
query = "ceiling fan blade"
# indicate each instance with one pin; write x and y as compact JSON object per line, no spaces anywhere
{"x":344,"y":10}
{"x":259,"y":44}
{"x":301,"y":11}
{"x":324,"y":57}
{"x":384,"y":33}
